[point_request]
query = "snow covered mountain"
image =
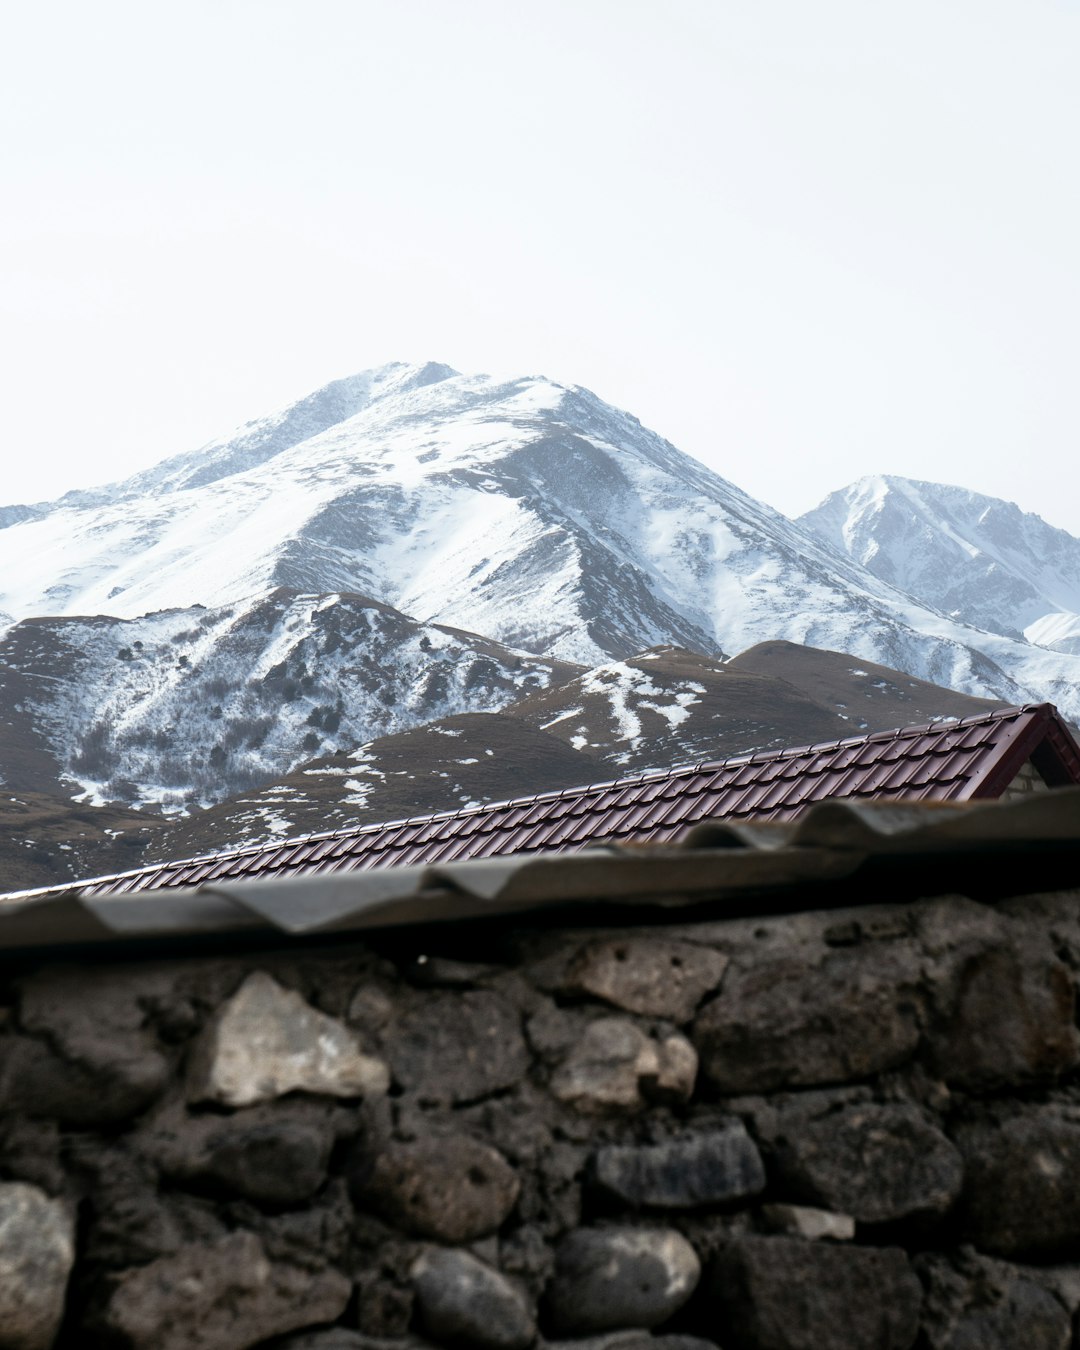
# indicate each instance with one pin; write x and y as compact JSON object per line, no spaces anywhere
{"x":184,"y":707}
{"x":979,"y":559}
{"x":529,"y":511}
{"x":319,"y":579}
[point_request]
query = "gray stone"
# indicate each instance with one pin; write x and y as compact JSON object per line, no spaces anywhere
{"x":977,"y":1304}
{"x":37,"y":1250}
{"x":1022,"y":1188}
{"x":463,"y":1301}
{"x":615,"y":1066}
{"x":653,"y":976}
{"x":1011,"y":1021}
{"x":804,"y":1019}
{"x":267,"y":1041}
{"x":804,"y":1222}
{"x":450,"y":1188}
{"x":682,"y":1173}
{"x":877,"y":1163}
{"x":225,"y":1295}
{"x":458,"y":1047}
{"x":607,"y":1278}
{"x":775,"y":1293}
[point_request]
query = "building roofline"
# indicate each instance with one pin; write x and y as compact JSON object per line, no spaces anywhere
{"x":1035,"y":719}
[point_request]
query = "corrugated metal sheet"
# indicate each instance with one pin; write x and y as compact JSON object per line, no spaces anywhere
{"x":949,"y":762}
{"x":839,"y":854}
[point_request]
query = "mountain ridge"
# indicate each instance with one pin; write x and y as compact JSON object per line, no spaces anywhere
{"x":523,"y":509}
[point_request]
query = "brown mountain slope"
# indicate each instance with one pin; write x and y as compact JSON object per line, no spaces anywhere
{"x":46,"y":841}
{"x":670,"y":706}
{"x":444,"y":765}
{"x":661,"y":708}
{"x":868,"y":696}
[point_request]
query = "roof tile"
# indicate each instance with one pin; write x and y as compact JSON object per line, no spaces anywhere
{"x":940,"y":761}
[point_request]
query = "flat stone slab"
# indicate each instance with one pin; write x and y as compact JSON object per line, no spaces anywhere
{"x":682,"y":1173}
{"x":267,"y":1041}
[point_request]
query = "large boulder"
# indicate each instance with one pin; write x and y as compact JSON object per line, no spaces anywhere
{"x":801,"y":1019}
{"x":1022,"y":1188}
{"x":458,"y":1046}
{"x":876,"y":1163}
{"x":973,"y":1303}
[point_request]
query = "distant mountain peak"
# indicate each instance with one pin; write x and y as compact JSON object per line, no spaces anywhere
{"x":979,"y":559}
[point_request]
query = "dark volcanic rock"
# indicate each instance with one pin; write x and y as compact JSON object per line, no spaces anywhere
{"x":1022,"y":1188}
{"x":271,"y":1161}
{"x":37,"y":1082}
{"x":1011,"y":1021}
{"x":464,"y":1302}
{"x":790,"y":1022}
{"x":773,"y":1293}
{"x":450,"y":1188}
{"x":977,"y":1304}
{"x":461,"y":1046}
{"x":876,"y":1163}
{"x":682,"y":1173}
{"x":619,"y":1277}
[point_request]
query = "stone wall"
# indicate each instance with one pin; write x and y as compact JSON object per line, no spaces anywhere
{"x":856,"y":1129}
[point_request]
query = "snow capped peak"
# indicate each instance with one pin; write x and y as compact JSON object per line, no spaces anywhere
{"x":976,"y":557}
{"x":258,"y":441}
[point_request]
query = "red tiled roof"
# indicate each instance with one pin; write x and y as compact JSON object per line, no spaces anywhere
{"x":951,"y":761}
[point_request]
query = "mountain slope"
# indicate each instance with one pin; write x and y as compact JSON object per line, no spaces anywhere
{"x":978,"y":558}
{"x":868,"y":696}
{"x":525,"y":510}
{"x":656,"y":710}
{"x":185,"y":707}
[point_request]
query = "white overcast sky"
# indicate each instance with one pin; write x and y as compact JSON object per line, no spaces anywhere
{"x":804,"y":241}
